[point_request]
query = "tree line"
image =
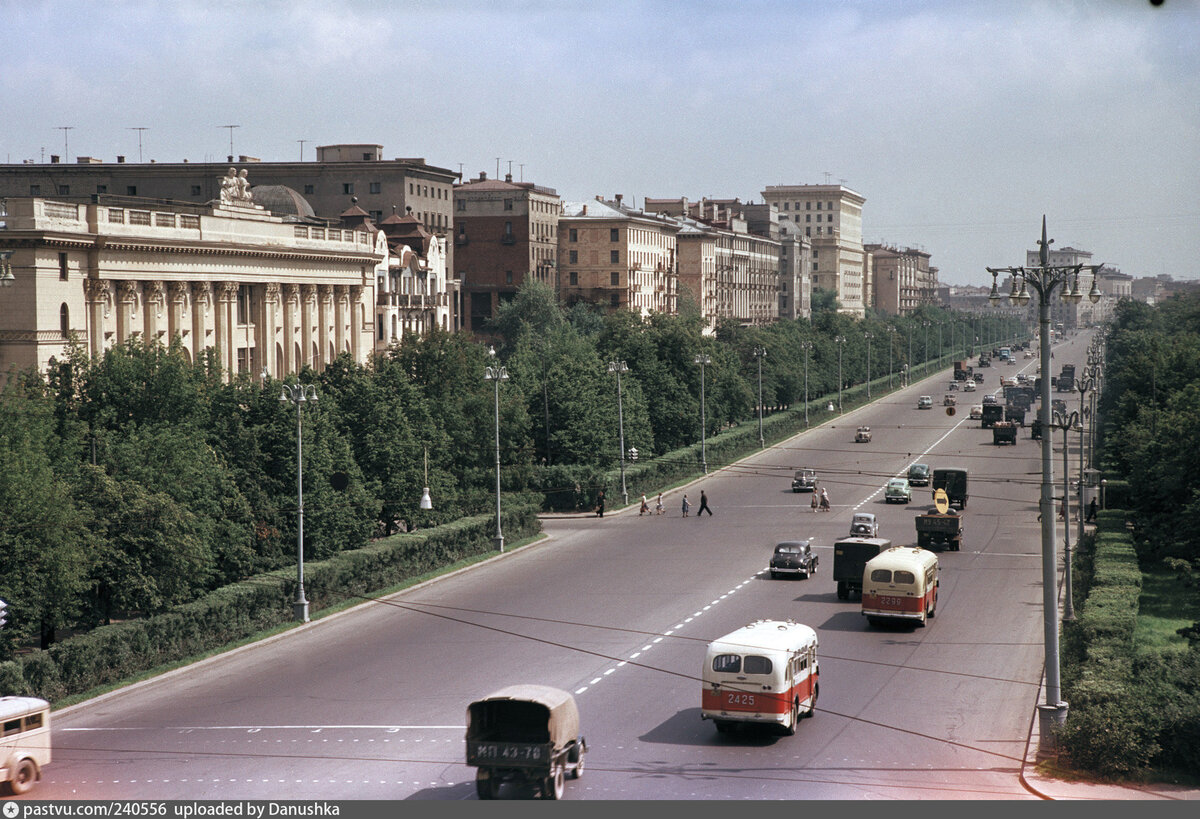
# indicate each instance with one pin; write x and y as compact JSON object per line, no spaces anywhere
{"x":136,"y":480}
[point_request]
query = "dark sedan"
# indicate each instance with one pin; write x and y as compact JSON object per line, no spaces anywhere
{"x":793,"y":557}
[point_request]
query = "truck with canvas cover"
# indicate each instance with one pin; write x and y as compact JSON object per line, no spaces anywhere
{"x":937,"y":529}
{"x":954,"y":482}
{"x":1014,"y":413}
{"x":1004,"y":432}
{"x":850,"y":555}
{"x":991,"y":414}
{"x":524,"y":734}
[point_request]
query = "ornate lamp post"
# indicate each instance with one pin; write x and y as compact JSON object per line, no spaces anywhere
{"x":891,"y":356}
{"x":1044,"y":278}
{"x":760,"y":353}
{"x":867,"y":336}
{"x":1067,"y":423}
{"x":497,"y":374}
{"x":807,"y":347}
{"x":299,"y":394}
{"x":925,"y":348}
{"x":1083,"y":385}
{"x":703,"y":360}
{"x":6,"y":275}
{"x":619,"y":367}
{"x":841,"y":342}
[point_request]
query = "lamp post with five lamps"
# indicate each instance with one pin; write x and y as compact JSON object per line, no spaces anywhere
{"x":703,"y":360}
{"x":299,"y":394}
{"x":840,"y":341}
{"x":1044,"y":278}
{"x":619,"y":367}
{"x":760,"y":353}
{"x":496,"y":374}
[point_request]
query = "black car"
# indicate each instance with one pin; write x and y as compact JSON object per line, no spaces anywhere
{"x":918,"y":475}
{"x":793,"y":557}
{"x":805,"y":481}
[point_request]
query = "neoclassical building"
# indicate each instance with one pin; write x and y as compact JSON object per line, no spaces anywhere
{"x":271,"y":296}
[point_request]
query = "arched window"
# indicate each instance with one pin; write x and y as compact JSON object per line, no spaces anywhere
{"x":64,"y":319}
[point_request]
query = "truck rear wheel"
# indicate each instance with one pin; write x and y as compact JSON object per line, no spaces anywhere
{"x":485,"y":786}
{"x":843,"y":592}
{"x":552,"y":786}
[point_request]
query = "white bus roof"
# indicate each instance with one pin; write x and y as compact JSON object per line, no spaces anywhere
{"x":768,"y":635}
{"x":13,"y":706}
{"x":902,"y":557}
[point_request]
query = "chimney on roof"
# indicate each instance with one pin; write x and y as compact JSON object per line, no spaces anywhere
{"x":53,"y":159}
{"x":508,"y":177}
{"x":120,"y":160}
{"x":618,"y":198}
{"x":482,"y":176}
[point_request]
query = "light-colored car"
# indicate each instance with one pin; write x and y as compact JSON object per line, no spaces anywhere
{"x":949,"y":400}
{"x":925,"y":402}
{"x":862,"y":435}
{"x":989,"y":399}
{"x":969,"y":386}
{"x":863,"y":524}
{"x":977,"y":412}
{"x":897,"y":491}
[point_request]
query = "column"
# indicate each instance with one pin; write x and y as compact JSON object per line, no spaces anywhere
{"x":291,"y":320}
{"x":308,"y":294}
{"x":325,"y":317}
{"x":265,"y":334}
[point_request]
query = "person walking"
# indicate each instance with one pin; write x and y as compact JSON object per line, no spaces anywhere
{"x":703,"y":505}
{"x":600,"y":504}
{"x":685,"y":506}
{"x":645,"y":510}
{"x":658,"y":507}
{"x":816,"y":499}
{"x":1091,"y":512}
{"x":824,"y":500}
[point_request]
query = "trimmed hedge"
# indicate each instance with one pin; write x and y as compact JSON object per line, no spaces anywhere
{"x":110,"y":654}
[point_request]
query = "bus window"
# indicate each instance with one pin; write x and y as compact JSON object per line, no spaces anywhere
{"x":758,"y":665}
{"x":727,"y":664}
{"x":907,"y":578}
{"x":881,"y":576}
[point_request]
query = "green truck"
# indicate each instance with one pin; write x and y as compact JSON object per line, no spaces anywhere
{"x":850,"y":555}
{"x":935,"y":529}
{"x":991,"y":414}
{"x":954,"y":481}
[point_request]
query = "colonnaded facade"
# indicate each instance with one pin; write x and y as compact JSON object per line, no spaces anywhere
{"x":271,"y":297}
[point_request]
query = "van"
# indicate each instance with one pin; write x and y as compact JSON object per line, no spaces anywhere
{"x":954,"y":481}
{"x":24,"y":742}
{"x":765,"y":673}
{"x":850,"y":555}
{"x":900,"y":584}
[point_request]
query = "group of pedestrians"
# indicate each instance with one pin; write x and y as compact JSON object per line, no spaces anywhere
{"x":820,"y":500}
{"x":659,"y":509}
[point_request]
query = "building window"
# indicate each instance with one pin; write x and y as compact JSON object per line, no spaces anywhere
{"x":808,"y":231}
{"x":574,"y":277}
{"x":243,"y":304}
{"x":375,"y":187}
{"x":614,"y":256}
{"x":615,"y":300}
{"x":508,"y":277}
{"x":195,"y":190}
{"x":818,"y":206}
{"x":64,"y":190}
{"x":508,"y":204}
{"x":64,"y":319}
{"x":309,"y":189}
{"x":376,"y":216}
{"x":573,"y":236}
{"x":62,"y":266}
{"x":808,"y":218}
{"x":574,"y":256}
{"x":102,"y":189}
{"x":614,"y":235}
{"x":614,"y":278}
{"x":785,"y":205}
{"x":35,"y":190}
{"x":347,"y":187}
{"x":131,"y":190}
{"x":462,"y":204}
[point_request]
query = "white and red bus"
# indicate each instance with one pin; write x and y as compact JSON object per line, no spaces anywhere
{"x":764,"y":673}
{"x":900,"y":584}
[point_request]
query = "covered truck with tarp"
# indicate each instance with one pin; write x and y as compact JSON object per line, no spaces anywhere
{"x":524,"y":734}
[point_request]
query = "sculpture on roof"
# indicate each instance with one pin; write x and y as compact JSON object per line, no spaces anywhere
{"x":235,"y":188}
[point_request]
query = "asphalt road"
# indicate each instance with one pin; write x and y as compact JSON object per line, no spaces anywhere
{"x":370,"y":703}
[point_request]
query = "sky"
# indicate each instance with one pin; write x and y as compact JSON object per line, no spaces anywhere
{"x":961,"y":123}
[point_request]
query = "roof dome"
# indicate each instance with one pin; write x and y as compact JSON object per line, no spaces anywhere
{"x":282,"y":201}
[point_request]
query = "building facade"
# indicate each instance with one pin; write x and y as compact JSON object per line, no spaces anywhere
{"x":618,"y":257}
{"x":505,"y":233}
{"x":903,"y":279}
{"x":830,"y":216}
{"x":270,"y":297}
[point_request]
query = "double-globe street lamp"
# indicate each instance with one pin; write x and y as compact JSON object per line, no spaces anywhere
{"x":868,"y":337}
{"x":760,"y":353}
{"x":703,"y":360}
{"x":496,"y":374}
{"x":1044,"y":278}
{"x":841,"y":343}
{"x":299,"y":394}
{"x":619,"y":367}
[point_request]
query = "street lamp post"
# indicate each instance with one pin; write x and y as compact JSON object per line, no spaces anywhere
{"x":760,"y":353}
{"x":299,"y":394}
{"x":891,"y":356}
{"x":1067,"y":423}
{"x":925,"y":348}
{"x":1083,"y":385}
{"x":497,"y":374}
{"x":703,"y":360}
{"x":619,"y":367}
{"x":841,"y":342}
{"x":6,"y":275}
{"x":868,"y":338}
{"x":807,"y":347}
{"x":1044,"y":278}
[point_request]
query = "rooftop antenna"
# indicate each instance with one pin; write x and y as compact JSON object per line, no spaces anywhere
{"x":230,"y":127}
{"x":301,"y":141}
{"x":460,"y":167}
{"x":64,"y":129}
{"x":497,"y":167}
{"x":522,"y":167}
{"x":510,"y":168}
{"x":139,"y":130}
{"x":827,"y":175}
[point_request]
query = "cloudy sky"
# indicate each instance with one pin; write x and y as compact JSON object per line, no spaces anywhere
{"x":962,"y":123}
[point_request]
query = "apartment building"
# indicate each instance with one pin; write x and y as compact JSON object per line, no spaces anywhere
{"x":830,"y":216}
{"x":617,"y":256}
{"x":903,"y":279}
{"x":731,"y":273}
{"x":505,"y":233}
{"x":1070,"y":315}
{"x":270,"y":296}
